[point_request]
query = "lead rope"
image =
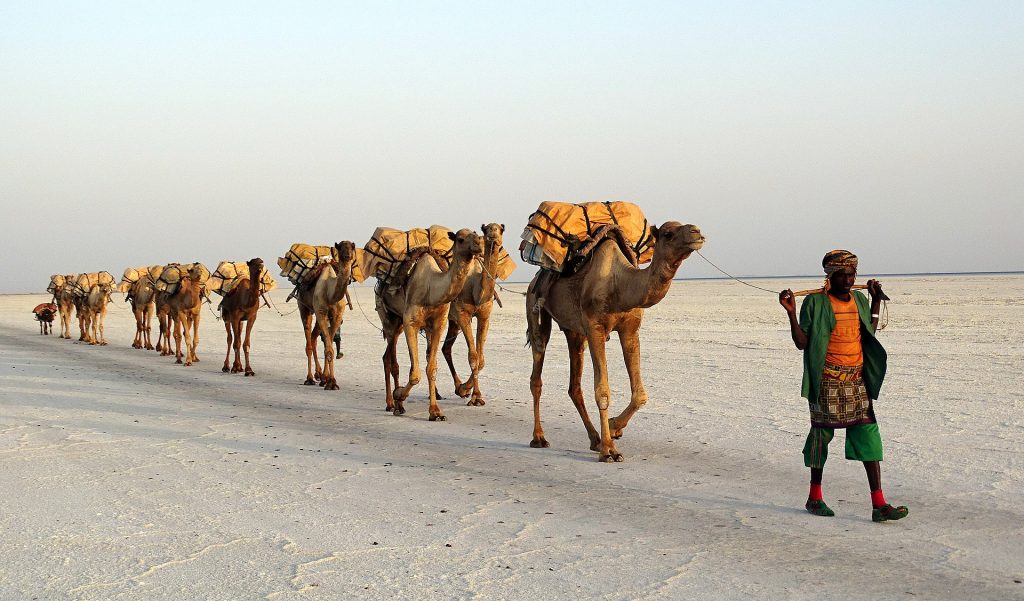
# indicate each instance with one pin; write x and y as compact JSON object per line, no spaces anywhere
{"x":883,"y":320}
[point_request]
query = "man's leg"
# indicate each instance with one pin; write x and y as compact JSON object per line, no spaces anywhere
{"x":815,"y":454}
{"x":864,"y":443}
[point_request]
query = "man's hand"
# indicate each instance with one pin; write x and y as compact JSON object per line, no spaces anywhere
{"x":875,"y":289}
{"x":788,"y":301}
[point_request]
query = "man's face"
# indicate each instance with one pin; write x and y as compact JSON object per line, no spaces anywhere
{"x":842,"y":280}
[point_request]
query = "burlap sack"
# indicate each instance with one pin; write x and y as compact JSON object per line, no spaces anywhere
{"x":172,"y":274}
{"x":301,"y":259}
{"x":228,"y":275}
{"x":558,"y":227}
{"x":56,"y":281}
{"x":87,"y":281}
{"x":389,"y":246}
{"x":131,"y":276}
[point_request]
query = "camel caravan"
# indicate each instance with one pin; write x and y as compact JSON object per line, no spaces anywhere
{"x":600,"y":265}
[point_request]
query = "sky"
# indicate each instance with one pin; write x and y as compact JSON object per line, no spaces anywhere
{"x":135,"y":133}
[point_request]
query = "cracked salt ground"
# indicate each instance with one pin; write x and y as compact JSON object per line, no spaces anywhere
{"x":129,"y":477}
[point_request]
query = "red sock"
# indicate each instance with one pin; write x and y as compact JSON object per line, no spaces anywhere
{"x":877,"y":498}
{"x":815,"y":494}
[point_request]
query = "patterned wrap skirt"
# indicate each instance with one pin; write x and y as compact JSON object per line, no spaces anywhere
{"x":842,"y":400}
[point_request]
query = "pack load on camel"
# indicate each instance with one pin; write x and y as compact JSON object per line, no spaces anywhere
{"x":132,"y":275}
{"x":559,"y":235}
{"x":81,"y":285}
{"x":228,"y":275}
{"x":301,"y":262}
{"x":171,"y":276}
{"x":388,"y":248}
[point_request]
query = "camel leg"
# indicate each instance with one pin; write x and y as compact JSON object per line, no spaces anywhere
{"x":414,"y":368}
{"x":434,"y":337}
{"x":539,"y":334}
{"x":137,"y":342}
{"x":390,"y":338}
{"x":307,"y":329}
{"x":602,"y":394}
{"x":577,"y":347}
{"x":446,"y":350}
{"x":227,"y":354}
{"x":483,"y":320}
{"x":245,"y":345}
{"x":147,"y":329}
{"x":327,"y":330}
{"x":630,"y":342}
{"x":195,"y":335}
{"x":101,"y":318}
{"x":177,"y":338}
{"x":466,"y":325}
{"x":236,"y":329}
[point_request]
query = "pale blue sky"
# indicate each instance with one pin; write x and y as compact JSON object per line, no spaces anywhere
{"x":140,"y":132}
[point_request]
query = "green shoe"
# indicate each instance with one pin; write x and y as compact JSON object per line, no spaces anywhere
{"x":888,"y":512}
{"x":818,"y":508}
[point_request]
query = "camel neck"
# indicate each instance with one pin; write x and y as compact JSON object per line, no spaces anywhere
{"x":456,"y":276}
{"x":254,"y":286}
{"x":492,"y":254}
{"x":646,"y":287}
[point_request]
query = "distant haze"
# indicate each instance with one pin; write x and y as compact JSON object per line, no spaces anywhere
{"x":139,"y":133}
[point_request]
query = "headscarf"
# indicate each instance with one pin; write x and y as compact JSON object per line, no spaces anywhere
{"x":835,"y":260}
{"x":838,"y":259}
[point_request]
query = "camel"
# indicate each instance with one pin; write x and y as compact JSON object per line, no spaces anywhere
{"x":607,"y":293}
{"x":94,"y":311}
{"x":142,"y":296}
{"x":475,"y":300}
{"x":328,"y":298}
{"x":163,"y":320}
{"x":242,"y":304}
{"x":65,"y":302}
{"x":422,"y":302}
{"x":185,"y":308}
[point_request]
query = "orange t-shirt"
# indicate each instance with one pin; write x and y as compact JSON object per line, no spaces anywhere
{"x":844,"y":346}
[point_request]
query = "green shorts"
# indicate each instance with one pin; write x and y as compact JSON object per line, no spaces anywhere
{"x":863,"y":443}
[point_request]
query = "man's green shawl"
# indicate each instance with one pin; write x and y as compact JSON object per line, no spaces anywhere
{"x":817,"y":320}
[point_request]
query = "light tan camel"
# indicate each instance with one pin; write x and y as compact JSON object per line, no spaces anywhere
{"x":65,"y":302}
{"x":94,"y":309}
{"x":142,"y":296}
{"x":307,"y":316}
{"x":422,"y":303}
{"x":329,"y":303}
{"x":607,"y":294}
{"x":185,"y":309}
{"x":475,"y":300}
{"x":242,"y":304}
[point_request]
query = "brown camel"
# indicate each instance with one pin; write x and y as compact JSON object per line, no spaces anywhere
{"x":185,"y":308}
{"x":94,"y":310}
{"x":329,"y":292}
{"x":142,"y":295}
{"x":242,"y":304}
{"x":422,"y":303}
{"x":475,"y":300}
{"x":163,"y":321}
{"x":64,"y":300}
{"x":608,"y":293}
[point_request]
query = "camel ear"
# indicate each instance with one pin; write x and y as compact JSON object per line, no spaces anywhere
{"x":654,"y":232}
{"x":451,"y":236}
{"x":503,"y":228}
{"x":483,"y":227}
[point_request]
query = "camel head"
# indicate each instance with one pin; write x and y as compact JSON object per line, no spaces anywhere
{"x":492,"y":234}
{"x":257,"y":263}
{"x":675,"y":241}
{"x":345,"y":252}
{"x":466,"y":244}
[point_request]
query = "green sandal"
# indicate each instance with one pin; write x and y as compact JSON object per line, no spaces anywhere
{"x":888,"y":512}
{"x":818,"y":508}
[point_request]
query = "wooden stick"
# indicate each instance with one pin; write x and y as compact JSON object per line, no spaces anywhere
{"x":817,"y":290}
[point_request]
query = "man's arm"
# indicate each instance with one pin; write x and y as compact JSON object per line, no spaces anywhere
{"x":788,"y":302}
